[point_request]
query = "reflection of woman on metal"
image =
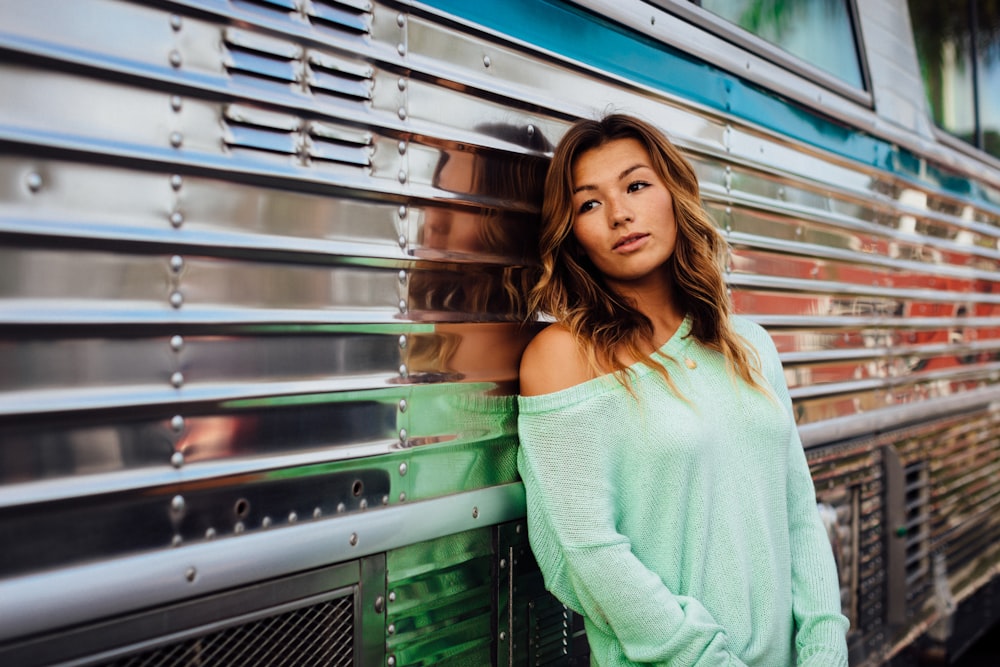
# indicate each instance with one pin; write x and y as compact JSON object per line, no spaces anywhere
{"x":669,"y":498}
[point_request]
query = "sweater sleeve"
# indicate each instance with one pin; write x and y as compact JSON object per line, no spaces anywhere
{"x":567,"y":463}
{"x":821,"y":628}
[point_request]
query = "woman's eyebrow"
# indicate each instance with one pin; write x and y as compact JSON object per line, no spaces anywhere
{"x":621,"y":176}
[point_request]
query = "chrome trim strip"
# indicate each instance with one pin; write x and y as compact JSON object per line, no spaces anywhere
{"x":888,"y":418}
{"x":48,"y":600}
{"x":83,"y":486}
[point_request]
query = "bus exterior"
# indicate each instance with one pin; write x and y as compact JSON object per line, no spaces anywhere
{"x":262,"y":268}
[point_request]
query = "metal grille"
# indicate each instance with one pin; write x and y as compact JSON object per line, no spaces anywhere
{"x":321,"y":634}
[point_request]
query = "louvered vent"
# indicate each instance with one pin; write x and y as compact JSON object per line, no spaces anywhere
{"x":919,"y":576}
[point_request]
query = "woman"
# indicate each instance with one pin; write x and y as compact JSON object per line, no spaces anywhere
{"x":669,"y":499}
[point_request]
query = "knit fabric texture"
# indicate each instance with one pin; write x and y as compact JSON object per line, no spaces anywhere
{"x":684,"y":531}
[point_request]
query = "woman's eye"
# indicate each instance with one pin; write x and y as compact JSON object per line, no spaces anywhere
{"x":637,"y":185}
{"x":587,"y":206}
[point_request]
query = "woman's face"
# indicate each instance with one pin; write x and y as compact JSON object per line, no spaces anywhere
{"x":623,"y":214}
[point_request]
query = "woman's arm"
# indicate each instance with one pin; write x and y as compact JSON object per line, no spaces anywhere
{"x":821,"y":628}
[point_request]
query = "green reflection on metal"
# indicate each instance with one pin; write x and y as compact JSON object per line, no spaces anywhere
{"x":440,"y":600}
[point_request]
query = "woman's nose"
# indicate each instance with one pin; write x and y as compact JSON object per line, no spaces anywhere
{"x":621,"y":214}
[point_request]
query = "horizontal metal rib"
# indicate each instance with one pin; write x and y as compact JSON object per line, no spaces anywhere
{"x":35,"y":603}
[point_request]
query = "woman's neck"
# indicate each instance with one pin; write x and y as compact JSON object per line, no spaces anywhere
{"x":655,"y":300}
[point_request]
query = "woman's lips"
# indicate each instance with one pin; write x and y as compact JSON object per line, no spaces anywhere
{"x":629,"y":243}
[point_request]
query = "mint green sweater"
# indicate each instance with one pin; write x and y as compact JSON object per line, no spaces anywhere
{"x":686,"y":533}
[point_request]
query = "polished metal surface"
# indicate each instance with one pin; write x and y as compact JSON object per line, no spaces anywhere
{"x":38,"y":602}
{"x":262,"y":278}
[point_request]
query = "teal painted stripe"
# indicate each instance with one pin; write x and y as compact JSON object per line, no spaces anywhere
{"x":595,"y":41}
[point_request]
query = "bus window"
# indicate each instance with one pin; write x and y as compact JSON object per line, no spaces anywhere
{"x":821,"y":33}
{"x":988,"y":47}
{"x":958,"y":45}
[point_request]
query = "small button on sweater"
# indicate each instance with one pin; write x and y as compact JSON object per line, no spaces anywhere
{"x":684,"y":531}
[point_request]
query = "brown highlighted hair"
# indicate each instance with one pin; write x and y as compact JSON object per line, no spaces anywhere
{"x":571,"y":289}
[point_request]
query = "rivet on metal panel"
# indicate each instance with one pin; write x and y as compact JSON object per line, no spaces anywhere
{"x":402,"y":405}
{"x":385,"y":500}
{"x":402,"y":147}
{"x":353,"y":539}
{"x":517,"y":529}
{"x":175,"y":21}
{"x":177,"y":459}
{"x":487,"y":61}
{"x":402,"y":211}
{"x":402,"y":305}
{"x":392,"y":596}
{"x":379,"y":604}
{"x":34,"y":181}
{"x":503,"y":636}
{"x":176,"y":263}
{"x":265,"y":522}
{"x":239,"y":527}
{"x":177,"y":379}
{"x":401,"y":113}
{"x":176,"y":103}
{"x":402,"y":342}
{"x":176,"y":181}
{"x":402,"y":469}
{"x":400,"y":20}
{"x":503,"y":563}
{"x":176,"y":218}
{"x":176,"y":139}
{"x":177,"y":343}
{"x":401,"y":84}
{"x":177,"y":505}
{"x":210,"y":534}
{"x":531,"y":130}
{"x":190,"y":574}
{"x":402,"y":277}
{"x":176,"y":541}
{"x":391,"y":629}
{"x":402,"y":497}
{"x":781,"y":193}
{"x":391,"y":661}
{"x":176,"y":299}
{"x":175,"y":58}
{"x":403,"y":434}
{"x":292,"y":517}
{"x":475,"y":512}
{"x":402,"y":176}
{"x":402,"y":241}
{"x":403,"y":371}
{"x":317,"y":512}
{"x":401,"y":49}
{"x":341,"y":508}
{"x":363,"y":504}
{"x":177,"y":422}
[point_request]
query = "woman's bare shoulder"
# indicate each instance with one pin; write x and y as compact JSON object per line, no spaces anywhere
{"x":553,"y":361}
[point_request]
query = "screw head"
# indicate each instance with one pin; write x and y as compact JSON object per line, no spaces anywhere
{"x":177,"y":422}
{"x":177,"y":459}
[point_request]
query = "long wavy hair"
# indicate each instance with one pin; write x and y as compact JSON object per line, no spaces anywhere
{"x":606,"y":324}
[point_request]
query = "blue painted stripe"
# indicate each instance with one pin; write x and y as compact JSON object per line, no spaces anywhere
{"x":593,"y":40}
